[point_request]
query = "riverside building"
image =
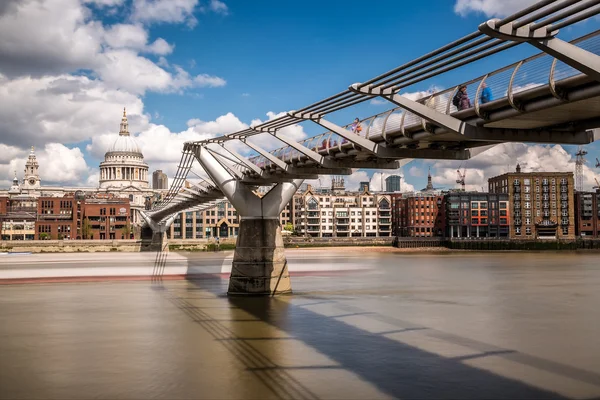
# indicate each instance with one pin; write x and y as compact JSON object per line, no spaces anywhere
{"x":542,"y":203}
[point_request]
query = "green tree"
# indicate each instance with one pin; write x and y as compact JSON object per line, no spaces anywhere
{"x":289,"y":227}
{"x":126,"y":231}
{"x":86,"y":229}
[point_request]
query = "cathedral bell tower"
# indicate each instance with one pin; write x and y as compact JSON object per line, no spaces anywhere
{"x":31,"y":179}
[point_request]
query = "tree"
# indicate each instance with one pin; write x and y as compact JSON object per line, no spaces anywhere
{"x":126,"y":231}
{"x":86,"y":229}
{"x":289,"y":227}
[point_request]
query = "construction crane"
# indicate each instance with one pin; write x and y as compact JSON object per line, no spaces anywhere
{"x":580,"y":160}
{"x":597,"y":184}
{"x":597,"y":163}
{"x":461,"y":177}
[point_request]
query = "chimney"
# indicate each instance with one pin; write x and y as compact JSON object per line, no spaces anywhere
{"x":518,"y":168}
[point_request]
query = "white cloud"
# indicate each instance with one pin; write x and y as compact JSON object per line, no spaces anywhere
{"x":219,"y":7}
{"x":65,"y":108}
{"x":169,"y":11}
{"x":414,"y":171}
{"x":503,"y":158}
{"x":204,"y":80}
{"x":378,"y":102}
{"x":491,"y":8}
{"x":127,"y":36}
{"x":50,"y":37}
{"x":58,"y":165}
{"x":105,"y":3}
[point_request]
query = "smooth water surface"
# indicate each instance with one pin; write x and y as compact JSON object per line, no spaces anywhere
{"x":392,"y":325}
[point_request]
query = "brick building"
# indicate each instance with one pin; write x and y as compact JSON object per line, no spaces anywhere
{"x":106,"y":219}
{"x":56,"y":218}
{"x":542,"y":203}
{"x":477,"y":215}
{"x":419,"y":215}
{"x":587,"y":214}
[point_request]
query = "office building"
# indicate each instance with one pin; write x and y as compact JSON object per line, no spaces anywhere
{"x":392,"y":183}
{"x":159,"y":180}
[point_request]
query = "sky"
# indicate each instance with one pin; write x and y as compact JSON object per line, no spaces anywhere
{"x":193,"y":69}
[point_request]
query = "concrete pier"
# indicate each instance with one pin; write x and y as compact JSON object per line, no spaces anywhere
{"x":259,"y":263}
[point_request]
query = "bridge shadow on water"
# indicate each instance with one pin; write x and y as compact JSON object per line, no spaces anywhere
{"x":395,"y":368}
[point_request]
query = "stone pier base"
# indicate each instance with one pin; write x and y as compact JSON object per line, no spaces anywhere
{"x":259,"y":264}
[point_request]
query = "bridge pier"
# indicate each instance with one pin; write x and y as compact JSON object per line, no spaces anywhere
{"x":158,"y":231}
{"x":259,"y":265}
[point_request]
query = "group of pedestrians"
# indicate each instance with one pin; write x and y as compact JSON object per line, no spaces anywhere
{"x":462,"y":102}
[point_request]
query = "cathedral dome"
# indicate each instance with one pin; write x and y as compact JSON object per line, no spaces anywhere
{"x":123,"y":163}
{"x":125,"y":144}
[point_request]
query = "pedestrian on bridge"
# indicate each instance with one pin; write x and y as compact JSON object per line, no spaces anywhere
{"x":356,"y":127}
{"x":486,"y":94}
{"x":461,"y":100}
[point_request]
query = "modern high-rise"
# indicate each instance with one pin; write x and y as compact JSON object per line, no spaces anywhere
{"x":160,"y":180}
{"x":392,"y":183}
{"x":542,"y":203}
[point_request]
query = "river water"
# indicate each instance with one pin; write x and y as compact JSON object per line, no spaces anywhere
{"x":360,"y":325}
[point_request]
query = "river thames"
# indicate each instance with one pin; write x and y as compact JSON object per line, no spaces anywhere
{"x":361,"y":324}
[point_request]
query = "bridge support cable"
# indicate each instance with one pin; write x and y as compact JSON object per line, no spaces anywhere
{"x":259,"y":263}
{"x":543,"y":36}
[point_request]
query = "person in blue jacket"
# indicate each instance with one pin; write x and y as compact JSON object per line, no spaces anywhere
{"x":486,"y":94}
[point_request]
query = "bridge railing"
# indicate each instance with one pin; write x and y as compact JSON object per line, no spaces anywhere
{"x":504,"y":84}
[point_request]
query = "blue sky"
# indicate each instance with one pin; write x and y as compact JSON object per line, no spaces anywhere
{"x":270,"y":56}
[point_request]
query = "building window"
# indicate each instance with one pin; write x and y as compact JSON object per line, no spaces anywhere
{"x":518,"y":230}
{"x":565,"y":230}
{"x":528,"y":231}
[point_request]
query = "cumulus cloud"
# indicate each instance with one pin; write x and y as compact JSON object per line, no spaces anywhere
{"x":491,"y":8}
{"x":218,"y":7}
{"x":503,"y":158}
{"x":167,"y":11}
{"x":58,"y":165}
{"x":205,"y":80}
{"x":64,"y":108}
{"x":50,"y":37}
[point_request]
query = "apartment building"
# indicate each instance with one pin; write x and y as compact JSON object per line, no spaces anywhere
{"x":419,"y":214}
{"x":587,"y":214}
{"x":342,"y":214}
{"x":477,"y":215}
{"x":541,"y":203}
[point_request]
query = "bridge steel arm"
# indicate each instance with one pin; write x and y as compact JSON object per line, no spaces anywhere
{"x":259,"y":264}
{"x":474,"y":132}
{"x":542,"y":35}
{"x":378,"y":150}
